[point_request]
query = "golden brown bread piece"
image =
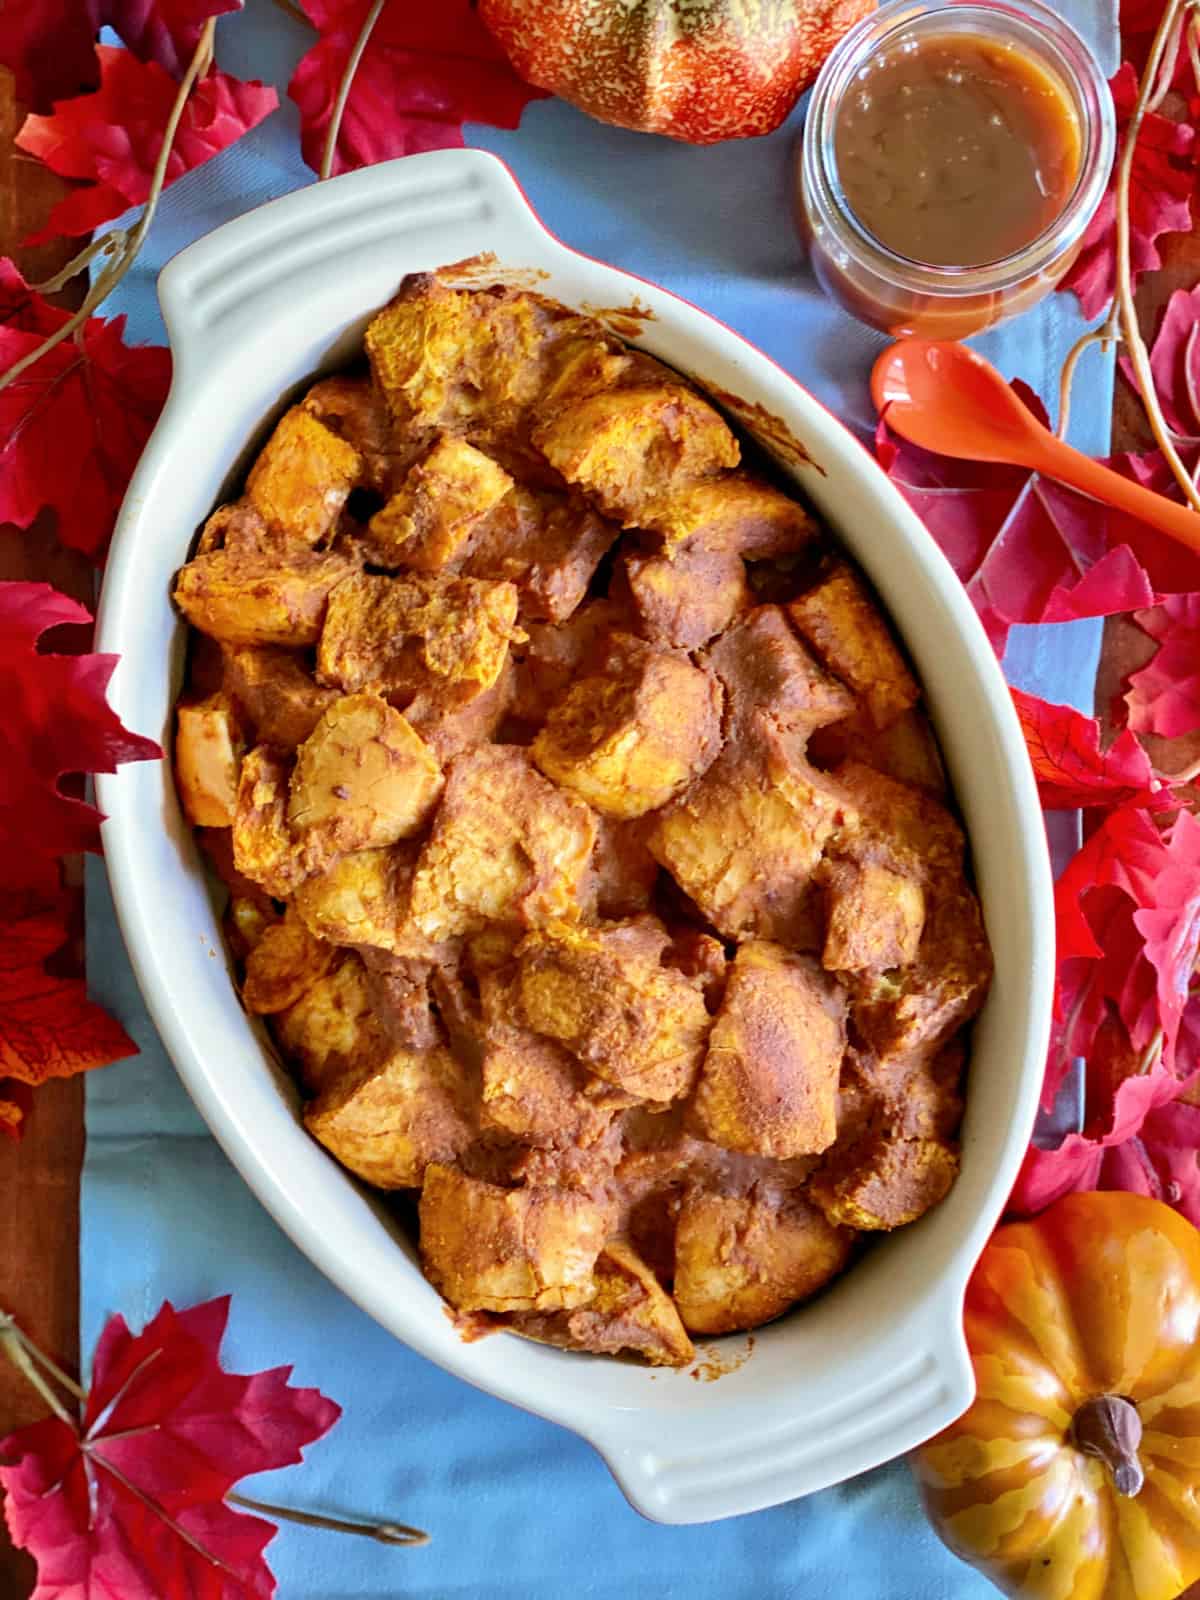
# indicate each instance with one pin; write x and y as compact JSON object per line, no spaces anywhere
{"x":847,"y":631}
{"x":769,"y":1082}
{"x":364,"y":899}
{"x":873,"y":916}
{"x":302,"y":478}
{"x":264,"y":847}
{"x":208,"y":756}
{"x":257,"y":598}
{"x":401,"y":997}
{"x":492,"y":1249}
{"x":884,"y":1180}
{"x":686,"y":599}
{"x":452,"y":717}
{"x":506,"y":846}
{"x":550,"y":659}
{"x":629,"y":1310}
{"x":631,"y":448}
{"x":283,"y":966}
{"x":354,"y":409}
{"x":736,"y":513}
{"x":906,"y":749}
{"x":741,"y":1260}
{"x":363,"y":779}
{"x":745,"y":840}
{"x":766,"y":670}
{"x":428,"y":522}
{"x":387,"y":1122}
{"x":630,"y":737}
{"x":276,"y":693}
{"x":605,"y":993}
{"x":549,"y":544}
{"x":331,"y":1030}
{"x":621,"y":874}
{"x":405,"y":634}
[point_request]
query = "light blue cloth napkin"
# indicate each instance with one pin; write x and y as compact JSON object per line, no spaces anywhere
{"x":518,"y":1509}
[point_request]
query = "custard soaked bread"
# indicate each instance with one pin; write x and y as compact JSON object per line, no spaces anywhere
{"x":589,"y":852}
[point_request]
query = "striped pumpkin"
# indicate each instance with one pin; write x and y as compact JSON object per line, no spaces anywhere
{"x":698,"y":70}
{"x":1075,"y":1475}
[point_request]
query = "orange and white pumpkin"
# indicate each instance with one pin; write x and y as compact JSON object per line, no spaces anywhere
{"x":698,"y":70}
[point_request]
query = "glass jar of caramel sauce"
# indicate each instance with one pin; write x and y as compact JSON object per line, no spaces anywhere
{"x":953,"y":155}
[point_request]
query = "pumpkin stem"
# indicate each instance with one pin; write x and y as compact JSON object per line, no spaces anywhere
{"x":1109,"y":1427}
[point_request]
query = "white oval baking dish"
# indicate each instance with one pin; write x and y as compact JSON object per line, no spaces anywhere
{"x":879,"y":1362}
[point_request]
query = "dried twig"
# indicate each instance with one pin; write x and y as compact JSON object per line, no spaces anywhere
{"x":1107,"y":333}
{"x":347,"y":83}
{"x":290,"y":9}
{"x":121,"y":247}
{"x":381,"y":1532}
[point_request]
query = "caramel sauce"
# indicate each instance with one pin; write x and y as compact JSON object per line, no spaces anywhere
{"x":956,"y":149}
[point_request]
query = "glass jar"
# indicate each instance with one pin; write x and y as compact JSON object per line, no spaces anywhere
{"x":903,"y":296}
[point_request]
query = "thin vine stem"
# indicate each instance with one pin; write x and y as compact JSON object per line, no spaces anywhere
{"x":395,"y":1533}
{"x":1139,"y":356}
{"x":13,"y":1344}
{"x":1106,"y":334}
{"x":344,"y":87}
{"x":126,"y":247}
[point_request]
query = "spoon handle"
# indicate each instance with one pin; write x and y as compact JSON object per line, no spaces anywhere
{"x":1071,"y":466}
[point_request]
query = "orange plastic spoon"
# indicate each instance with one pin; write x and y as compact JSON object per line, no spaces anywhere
{"x":944,"y":397}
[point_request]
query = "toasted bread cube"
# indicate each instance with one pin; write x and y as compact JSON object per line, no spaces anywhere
{"x":208,"y":759}
{"x":363,"y":779}
{"x":765,"y":668}
{"x":898,"y":823}
{"x":744,"y":841}
{"x":240,"y":529}
{"x":264,"y":848}
{"x":405,"y":634}
{"x":906,"y":749}
{"x":632,"y":448}
{"x":451,"y":717}
{"x":919,"y":1006}
{"x":741,"y":1260}
{"x":401,"y":996}
{"x":354,"y":409}
{"x":847,"y":630}
{"x":621,"y":874}
{"x":548,"y":544}
{"x":258,"y":599}
{"x":302,"y":478}
{"x":283,"y":965}
{"x":630,"y":738}
{"x":362,"y":899}
{"x":491,"y":1249}
{"x":685,"y":599}
{"x":388,"y":1121}
{"x":605,"y":994}
{"x":884,"y":1180}
{"x":427,"y":523}
{"x":769,"y":1082}
{"x":873,"y":916}
{"x":630,"y":1310}
{"x":244,"y":923}
{"x":331,"y":1031}
{"x":551,"y":658}
{"x":736,"y":513}
{"x":506,"y":846}
{"x":276,"y":693}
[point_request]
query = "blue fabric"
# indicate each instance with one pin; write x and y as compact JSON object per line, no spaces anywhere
{"x":518,"y":1509}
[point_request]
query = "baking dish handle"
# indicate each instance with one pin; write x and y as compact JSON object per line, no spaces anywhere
{"x":343,"y":242}
{"x":681,"y":1471}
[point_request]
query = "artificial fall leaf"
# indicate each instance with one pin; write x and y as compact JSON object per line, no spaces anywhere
{"x":1175,"y":362}
{"x":1127,"y":918}
{"x":426,"y":70}
{"x":1164,"y":696}
{"x":73,"y":425}
{"x":132,"y":1503}
{"x":1029,"y":550}
{"x":114,"y":136}
{"x":1160,"y":194}
{"x":1069,"y":765}
{"x":51,"y":46}
{"x":55,"y":720}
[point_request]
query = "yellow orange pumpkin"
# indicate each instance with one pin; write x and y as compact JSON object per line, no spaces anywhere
{"x":698,"y":70}
{"x":1075,"y":1475}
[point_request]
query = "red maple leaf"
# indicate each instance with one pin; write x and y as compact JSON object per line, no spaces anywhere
{"x":132,"y":1502}
{"x":1139,"y":20}
{"x":1029,"y":550}
{"x":426,"y":71}
{"x":1164,"y":696}
{"x":114,"y":136}
{"x":1160,"y":195}
{"x":51,"y":47}
{"x":1127,"y":916}
{"x":73,"y":425}
{"x":1069,"y":765}
{"x":1175,"y":363}
{"x":56,"y":721}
